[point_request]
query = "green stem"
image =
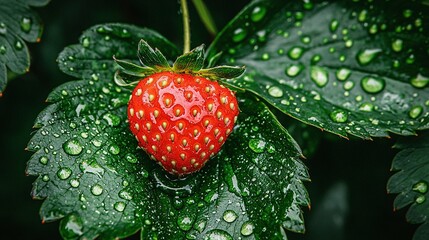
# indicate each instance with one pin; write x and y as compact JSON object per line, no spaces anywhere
{"x":186,"y":28}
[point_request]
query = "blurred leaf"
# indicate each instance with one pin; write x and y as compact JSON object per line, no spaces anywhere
{"x":92,"y":175}
{"x":18,"y":23}
{"x":411,"y":180}
{"x":348,"y":67}
{"x":205,"y":16}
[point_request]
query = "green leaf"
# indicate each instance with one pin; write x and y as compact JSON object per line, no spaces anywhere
{"x":134,"y":69}
{"x":348,"y":67}
{"x":411,"y":180}
{"x":150,"y":57}
{"x":93,"y":57}
{"x":227,"y":72}
{"x":192,"y":61}
{"x":18,"y":23}
{"x":93,"y":177}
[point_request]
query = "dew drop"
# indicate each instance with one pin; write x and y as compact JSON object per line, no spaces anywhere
{"x":93,"y":167}
{"x":343,"y":74}
{"x":372,"y":84}
{"x":185,"y":222}
{"x":407,"y":13}
{"x":45,"y":178}
{"x":125,"y":195}
{"x":71,"y":227}
{"x":18,"y":45}
{"x":316,"y":58}
{"x":421,"y":187}
{"x":295,"y":53}
{"x":247,"y":228}
{"x":86,"y":42}
{"x":26,"y":24}
{"x":339,"y":116}
{"x":229,"y":216}
{"x":258,"y":14}
{"x":2,"y":49}
{"x":97,"y":190}
{"x":334,"y":25}
{"x":275,"y":91}
{"x":415,"y":112}
{"x":119,"y":206}
{"x":294,"y":70}
{"x":131,"y":158}
{"x":319,"y":76}
{"x":64,"y":173}
{"x":397,"y":45}
{"x":366,"y":56}
{"x":239,"y":35}
{"x":74,"y":183}
{"x":420,"y":199}
{"x":114,"y":149}
{"x":72,"y":147}
{"x":112,"y":120}
{"x":217,"y":234}
{"x":43,"y":160}
{"x":257,"y":145}
{"x":362,"y":15}
{"x":3,"y":28}
{"x":265,"y":56}
{"x":348,"y":85}
{"x":419,"y":81}
{"x":366,"y":107}
{"x":200,"y":225}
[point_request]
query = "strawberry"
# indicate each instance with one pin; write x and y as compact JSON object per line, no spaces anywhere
{"x":181,"y":120}
{"x":179,"y":116}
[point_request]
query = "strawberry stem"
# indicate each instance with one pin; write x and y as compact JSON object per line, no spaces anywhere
{"x":186,"y":28}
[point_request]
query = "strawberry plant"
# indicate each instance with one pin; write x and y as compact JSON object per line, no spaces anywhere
{"x":148,"y":140}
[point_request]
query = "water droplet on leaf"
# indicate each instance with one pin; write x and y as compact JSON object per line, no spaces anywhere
{"x":372,"y":84}
{"x":294,"y":70}
{"x":397,"y":45}
{"x":97,"y":190}
{"x":257,"y":145}
{"x":217,"y":234}
{"x":119,"y":206}
{"x":74,"y":183}
{"x":319,"y":76}
{"x":343,"y":74}
{"x":72,"y":147}
{"x":247,"y":228}
{"x":26,"y":24}
{"x":419,"y":81}
{"x":415,"y":112}
{"x":239,"y":35}
{"x":71,"y":227}
{"x":185,"y":222}
{"x":229,"y":216}
{"x":366,"y":56}
{"x":258,"y":14}
{"x":295,"y":53}
{"x":275,"y":91}
{"x":421,"y":187}
{"x":339,"y":116}
{"x":43,"y":160}
{"x":64,"y":173}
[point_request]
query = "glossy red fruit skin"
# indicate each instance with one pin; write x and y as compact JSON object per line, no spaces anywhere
{"x":181,"y":120}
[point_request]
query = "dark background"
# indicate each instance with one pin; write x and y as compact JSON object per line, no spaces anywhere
{"x":348,"y":188}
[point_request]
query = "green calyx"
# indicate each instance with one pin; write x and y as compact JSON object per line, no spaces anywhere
{"x":153,"y":61}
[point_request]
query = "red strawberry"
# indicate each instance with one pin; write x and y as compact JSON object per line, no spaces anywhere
{"x":181,"y":120}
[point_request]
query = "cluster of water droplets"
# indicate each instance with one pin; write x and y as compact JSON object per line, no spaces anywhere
{"x":26,"y":25}
{"x":363,"y":93}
